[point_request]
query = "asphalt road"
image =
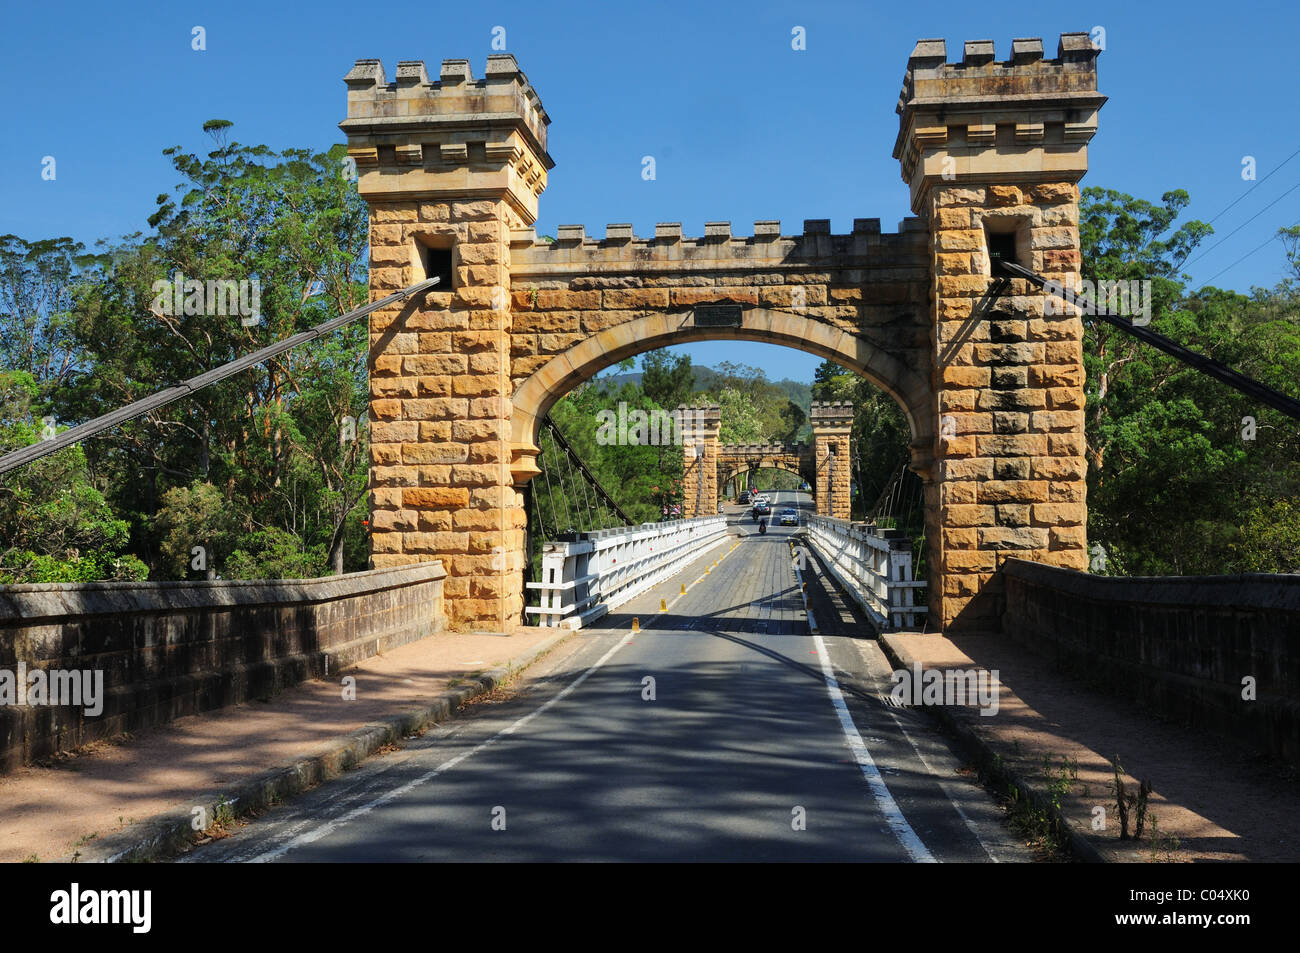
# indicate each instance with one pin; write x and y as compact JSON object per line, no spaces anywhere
{"x":722,"y":730}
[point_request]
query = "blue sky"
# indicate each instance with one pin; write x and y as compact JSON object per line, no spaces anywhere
{"x":741,"y":126}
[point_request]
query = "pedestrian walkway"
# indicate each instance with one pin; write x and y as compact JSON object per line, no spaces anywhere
{"x":47,"y":813}
{"x":1211,"y":799}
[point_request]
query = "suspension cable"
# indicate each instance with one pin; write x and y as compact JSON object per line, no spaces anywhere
{"x":76,"y":434}
{"x":1206,"y":365}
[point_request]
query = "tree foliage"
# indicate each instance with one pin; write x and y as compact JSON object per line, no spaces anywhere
{"x":1183,"y":469}
{"x":282,"y":446}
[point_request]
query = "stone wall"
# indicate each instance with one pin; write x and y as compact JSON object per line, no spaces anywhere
{"x":1009,"y":393}
{"x":441,"y":482}
{"x":169,"y":649}
{"x":581,"y":303}
{"x":1179,"y":646}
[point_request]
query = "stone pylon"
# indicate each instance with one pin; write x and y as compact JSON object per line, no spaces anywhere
{"x":700,"y":426}
{"x":448,"y":168}
{"x":832,"y":425}
{"x":992,"y":152}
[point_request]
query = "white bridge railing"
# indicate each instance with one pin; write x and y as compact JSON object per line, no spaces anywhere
{"x":585,"y":578}
{"x":872,"y":565}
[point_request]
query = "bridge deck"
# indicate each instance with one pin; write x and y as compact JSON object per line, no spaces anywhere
{"x":741,"y":738}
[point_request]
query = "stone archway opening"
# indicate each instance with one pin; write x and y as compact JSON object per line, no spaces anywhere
{"x":825,"y":462}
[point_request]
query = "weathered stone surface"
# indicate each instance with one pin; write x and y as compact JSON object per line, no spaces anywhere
{"x":210,"y":643}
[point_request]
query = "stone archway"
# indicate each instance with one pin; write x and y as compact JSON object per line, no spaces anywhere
{"x":726,"y":478}
{"x":552,"y":376}
{"x":452,"y":169}
{"x":816,"y":330}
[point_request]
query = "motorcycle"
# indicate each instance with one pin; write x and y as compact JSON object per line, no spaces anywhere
{"x":762,"y":526}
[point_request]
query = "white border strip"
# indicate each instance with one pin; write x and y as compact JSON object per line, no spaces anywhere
{"x":907,"y":837}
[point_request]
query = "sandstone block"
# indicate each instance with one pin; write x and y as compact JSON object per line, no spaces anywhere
{"x":1012,"y":491}
{"x":1058,"y":468}
{"x":1005,"y":537}
{"x":568,"y":300}
{"x":435,"y":496}
{"x":967,"y":515}
{"x":435,"y":408}
{"x":1059,"y":514}
{"x":443,"y":544}
{"x":420,"y":364}
{"x":636,"y":298}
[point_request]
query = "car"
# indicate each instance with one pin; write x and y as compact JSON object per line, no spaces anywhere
{"x":789,"y":518}
{"x":744,"y":497}
{"x":761,"y":508}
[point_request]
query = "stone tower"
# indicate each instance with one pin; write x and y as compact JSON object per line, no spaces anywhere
{"x":700,"y":427}
{"x":449,"y":167}
{"x":832,"y":424}
{"x":992,"y":152}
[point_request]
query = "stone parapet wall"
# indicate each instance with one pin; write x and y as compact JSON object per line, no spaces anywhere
{"x":1180,"y":646}
{"x":170,"y":649}
{"x":575,"y":253}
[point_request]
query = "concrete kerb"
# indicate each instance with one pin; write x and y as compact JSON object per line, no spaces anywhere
{"x":164,"y":835}
{"x":993,"y":765}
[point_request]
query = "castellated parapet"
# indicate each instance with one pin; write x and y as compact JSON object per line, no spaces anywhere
{"x":1024,"y":120}
{"x":831,"y":414}
{"x":416,"y":137}
{"x":573,"y":251}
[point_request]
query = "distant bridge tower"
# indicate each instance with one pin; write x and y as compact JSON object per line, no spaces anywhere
{"x":832,"y":423}
{"x":700,"y":427}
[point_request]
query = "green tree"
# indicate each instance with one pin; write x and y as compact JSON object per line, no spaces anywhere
{"x":667,"y":379}
{"x":55,"y":526}
{"x":279,"y":441}
{"x":1179,"y":463}
{"x":36,"y":295}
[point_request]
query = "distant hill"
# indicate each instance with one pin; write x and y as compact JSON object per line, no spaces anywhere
{"x":800,"y":393}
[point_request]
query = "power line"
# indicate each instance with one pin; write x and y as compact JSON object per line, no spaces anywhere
{"x":1253,"y":188}
{"x":1244,"y":224}
{"x":1267,"y":241}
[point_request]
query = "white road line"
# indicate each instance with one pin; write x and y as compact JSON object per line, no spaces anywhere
{"x":943,"y":785}
{"x":884,"y":800}
{"x":331,"y":826}
{"x":907,"y":837}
